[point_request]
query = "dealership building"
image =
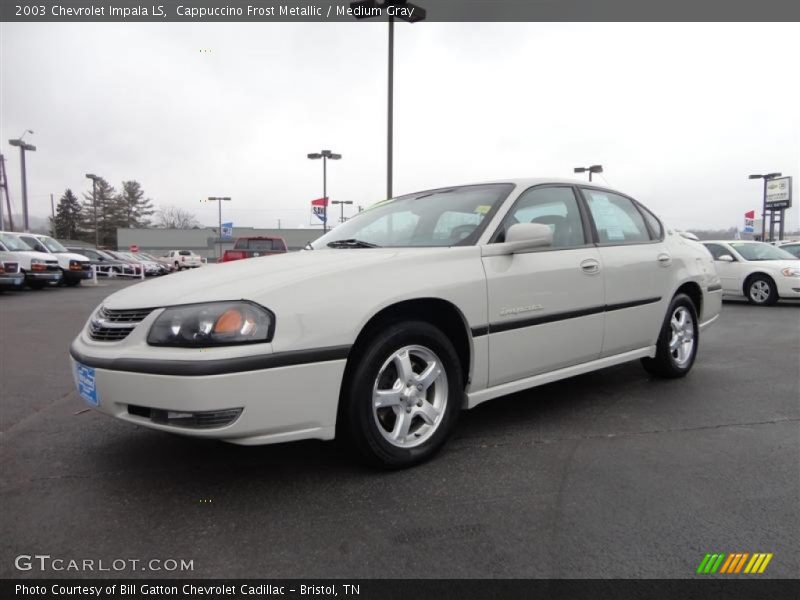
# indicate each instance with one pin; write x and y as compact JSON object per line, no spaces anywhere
{"x":205,"y":241}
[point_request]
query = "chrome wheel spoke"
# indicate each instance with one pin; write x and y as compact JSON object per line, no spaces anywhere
{"x":384,"y":398}
{"x":401,"y":426}
{"x":429,"y":375}
{"x":402,"y":362}
{"x":429,"y":413}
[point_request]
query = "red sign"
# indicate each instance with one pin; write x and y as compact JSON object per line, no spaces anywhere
{"x":319,"y":208}
{"x":134,"y":247}
{"x":751,"y":214}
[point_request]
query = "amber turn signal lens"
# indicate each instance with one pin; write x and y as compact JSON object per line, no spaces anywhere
{"x":229,"y":322}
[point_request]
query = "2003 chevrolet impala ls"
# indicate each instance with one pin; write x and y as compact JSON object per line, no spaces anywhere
{"x":391,"y":323}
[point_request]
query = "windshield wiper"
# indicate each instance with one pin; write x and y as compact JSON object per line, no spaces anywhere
{"x":351,"y":243}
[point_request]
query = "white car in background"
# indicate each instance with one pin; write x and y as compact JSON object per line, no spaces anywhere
{"x":74,"y":267}
{"x":760,"y":272}
{"x":183,"y":259}
{"x":400,"y":317}
{"x":39,"y":269}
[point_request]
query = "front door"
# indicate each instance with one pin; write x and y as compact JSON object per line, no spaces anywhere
{"x":545,"y":307}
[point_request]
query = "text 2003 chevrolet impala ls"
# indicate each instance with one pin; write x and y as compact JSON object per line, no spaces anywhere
{"x":397,"y":319}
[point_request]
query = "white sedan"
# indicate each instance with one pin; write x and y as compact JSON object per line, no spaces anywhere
{"x":394,"y":321}
{"x":758,"y":271}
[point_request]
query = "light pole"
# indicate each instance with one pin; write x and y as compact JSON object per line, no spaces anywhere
{"x":23,"y":146}
{"x":342,"y":203}
{"x":766,"y":177}
{"x":365,"y":9}
{"x":592,"y":169}
{"x":94,"y":179}
{"x":324,"y":155}
{"x":219,"y":200}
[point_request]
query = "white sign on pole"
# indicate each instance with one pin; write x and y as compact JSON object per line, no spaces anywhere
{"x":779,"y":193}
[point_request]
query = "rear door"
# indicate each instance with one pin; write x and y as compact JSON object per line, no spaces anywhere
{"x":545,"y":307}
{"x":637,"y":267}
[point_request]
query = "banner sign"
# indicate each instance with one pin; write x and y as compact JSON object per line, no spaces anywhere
{"x":779,"y":193}
{"x":318,"y":208}
{"x":749,"y":221}
{"x":227,"y":231}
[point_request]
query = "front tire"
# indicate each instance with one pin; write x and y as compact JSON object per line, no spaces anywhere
{"x":677,"y":343}
{"x":761,"y":291}
{"x":403,"y":396}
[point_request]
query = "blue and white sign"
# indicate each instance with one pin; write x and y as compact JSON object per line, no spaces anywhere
{"x":227,"y":231}
{"x":87,"y":386}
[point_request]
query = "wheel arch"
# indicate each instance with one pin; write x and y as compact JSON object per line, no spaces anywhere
{"x":695,"y":293}
{"x":438,"y":312}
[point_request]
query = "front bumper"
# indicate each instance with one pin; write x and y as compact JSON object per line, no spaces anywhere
{"x":70,"y":275}
{"x":788,"y":287}
{"x":278,"y":404}
{"x":12,"y":281}
{"x":43,"y":276}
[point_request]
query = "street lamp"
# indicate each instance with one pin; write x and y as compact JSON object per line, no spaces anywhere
{"x":592,"y":169}
{"x":365,"y":9}
{"x":219,"y":200}
{"x":94,"y":179}
{"x":23,"y":146}
{"x":766,"y":177}
{"x":325,"y":155}
{"x":342,"y":203}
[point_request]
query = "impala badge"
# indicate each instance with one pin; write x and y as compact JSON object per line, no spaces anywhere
{"x":515,"y":310}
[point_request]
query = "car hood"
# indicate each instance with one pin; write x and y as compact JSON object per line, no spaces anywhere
{"x":35,"y":254}
{"x":73,"y":256}
{"x":251,"y":278}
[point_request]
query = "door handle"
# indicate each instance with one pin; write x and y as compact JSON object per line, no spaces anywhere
{"x":590,"y":266}
{"x":664,"y":259}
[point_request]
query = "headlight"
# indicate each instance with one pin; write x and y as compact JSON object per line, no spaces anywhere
{"x":791,"y":272}
{"x":212,"y":324}
{"x":38,"y":265}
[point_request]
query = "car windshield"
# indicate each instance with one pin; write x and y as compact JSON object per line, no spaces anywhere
{"x":14,"y":244}
{"x":87,"y":252}
{"x":52,"y":244}
{"x":443,"y":217}
{"x":761,"y":251}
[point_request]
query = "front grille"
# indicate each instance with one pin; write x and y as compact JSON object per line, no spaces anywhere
{"x":11,"y":267}
{"x":206,"y":419}
{"x":115,"y":325}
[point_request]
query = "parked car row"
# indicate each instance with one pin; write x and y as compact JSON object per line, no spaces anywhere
{"x":36,"y":261}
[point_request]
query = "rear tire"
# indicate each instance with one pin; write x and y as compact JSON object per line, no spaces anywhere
{"x":761,"y":290}
{"x":678,"y":340}
{"x":403,"y":395}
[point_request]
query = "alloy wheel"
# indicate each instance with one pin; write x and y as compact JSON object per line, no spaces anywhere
{"x":681,"y":343}
{"x":409,"y":396}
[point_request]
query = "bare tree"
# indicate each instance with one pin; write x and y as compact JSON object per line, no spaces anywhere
{"x":172,"y":217}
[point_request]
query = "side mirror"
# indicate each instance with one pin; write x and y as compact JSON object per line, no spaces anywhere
{"x":521,"y":238}
{"x":726,"y":258}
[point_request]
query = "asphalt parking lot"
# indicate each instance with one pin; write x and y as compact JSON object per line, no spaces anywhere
{"x":611,"y":474}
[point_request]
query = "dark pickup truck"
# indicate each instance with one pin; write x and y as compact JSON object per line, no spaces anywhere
{"x":249,"y":247}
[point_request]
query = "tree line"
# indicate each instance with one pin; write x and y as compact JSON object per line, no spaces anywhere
{"x":108,"y":209}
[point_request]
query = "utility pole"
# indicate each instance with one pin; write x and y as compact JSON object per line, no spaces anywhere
{"x":324,"y":155}
{"x":23,"y":147}
{"x":219,"y":200}
{"x":592,"y":169}
{"x":4,"y":187}
{"x":341,"y":204}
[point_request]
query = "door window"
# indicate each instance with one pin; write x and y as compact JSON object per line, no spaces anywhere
{"x":616,"y":218}
{"x":555,"y":207}
{"x":717,"y":250}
